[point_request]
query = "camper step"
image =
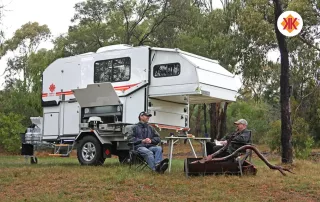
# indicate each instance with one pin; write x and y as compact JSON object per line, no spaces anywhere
{"x":59,"y":155}
{"x":62,"y":145}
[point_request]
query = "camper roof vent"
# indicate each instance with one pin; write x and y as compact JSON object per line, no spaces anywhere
{"x":113,"y":47}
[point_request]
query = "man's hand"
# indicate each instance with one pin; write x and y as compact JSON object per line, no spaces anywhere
{"x":223,"y":142}
{"x":146,"y":141}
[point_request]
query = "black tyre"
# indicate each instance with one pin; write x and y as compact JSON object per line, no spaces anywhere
{"x":89,"y":152}
{"x":33,"y":160}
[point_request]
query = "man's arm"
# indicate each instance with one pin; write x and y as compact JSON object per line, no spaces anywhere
{"x":226,"y":137}
{"x":132,"y":136}
{"x":156,"y":137}
{"x":243,"y":138}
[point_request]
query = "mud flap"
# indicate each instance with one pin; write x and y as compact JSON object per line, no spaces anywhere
{"x":106,"y":150}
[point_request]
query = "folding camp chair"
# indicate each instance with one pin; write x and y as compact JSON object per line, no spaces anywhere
{"x":245,"y":155}
{"x":134,"y":158}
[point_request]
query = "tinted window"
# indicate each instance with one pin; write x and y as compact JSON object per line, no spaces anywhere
{"x":166,"y":70}
{"x":114,"y":70}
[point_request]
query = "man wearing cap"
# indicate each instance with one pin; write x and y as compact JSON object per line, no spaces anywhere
{"x":242,"y":136}
{"x":145,"y":139}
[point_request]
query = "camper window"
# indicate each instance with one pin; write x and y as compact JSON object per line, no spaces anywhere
{"x":114,"y":70}
{"x":165,"y":70}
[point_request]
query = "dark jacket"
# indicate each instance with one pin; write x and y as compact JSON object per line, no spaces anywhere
{"x":241,"y":138}
{"x":142,"y":131}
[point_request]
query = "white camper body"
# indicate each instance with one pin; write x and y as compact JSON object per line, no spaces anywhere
{"x":118,"y":82}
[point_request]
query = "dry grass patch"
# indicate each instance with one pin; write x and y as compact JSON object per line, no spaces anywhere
{"x":63,"y":179}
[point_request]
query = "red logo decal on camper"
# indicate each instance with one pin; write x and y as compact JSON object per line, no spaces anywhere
{"x":52,"y":87}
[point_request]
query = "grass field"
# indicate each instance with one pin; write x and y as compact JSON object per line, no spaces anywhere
{"x":63,"y":179}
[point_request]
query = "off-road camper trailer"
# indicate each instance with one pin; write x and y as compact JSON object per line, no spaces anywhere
{"x":88,"y":99}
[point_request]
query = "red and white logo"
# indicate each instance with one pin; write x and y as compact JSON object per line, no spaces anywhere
{"x":52,"y":88}
{"x":290,"y":23}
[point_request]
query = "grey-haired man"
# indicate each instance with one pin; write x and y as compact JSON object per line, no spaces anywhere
{"x":242,"y":136}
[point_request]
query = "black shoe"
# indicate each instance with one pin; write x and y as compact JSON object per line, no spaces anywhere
{"x":163,"y":168}
{"x":166,"y":160}
{"x":157,"y":167}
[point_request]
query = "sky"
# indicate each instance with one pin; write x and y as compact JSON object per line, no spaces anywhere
{"x":54,"y":13}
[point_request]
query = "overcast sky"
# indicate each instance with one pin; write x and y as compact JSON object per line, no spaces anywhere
{"x":54,"y":13}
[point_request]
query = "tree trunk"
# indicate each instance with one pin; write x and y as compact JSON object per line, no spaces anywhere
{"x":213,"y":121}
{"x":286,"y":130}
{"x":198,"y":120}
{"x":205,"y":118}
{"x":223,"y":120}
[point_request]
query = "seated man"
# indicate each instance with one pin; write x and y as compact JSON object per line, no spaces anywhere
{"x":242,"y":136}
{"x":145,"y":139}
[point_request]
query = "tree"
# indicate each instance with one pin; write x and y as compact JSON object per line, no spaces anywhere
{"x":25,"y":40}
{"x":21,"y":96}
{"x":286,"y":128}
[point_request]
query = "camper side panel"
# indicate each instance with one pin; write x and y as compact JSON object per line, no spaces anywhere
{"x":171,"y":74}
{"x":168,"y":113}
{"x":133,"y":105}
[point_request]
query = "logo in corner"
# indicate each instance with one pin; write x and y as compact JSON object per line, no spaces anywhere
{"x":290,"y":23}
{"x":52,"y":87}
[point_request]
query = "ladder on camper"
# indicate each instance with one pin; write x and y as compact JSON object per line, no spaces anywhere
{"x":62,"y":150}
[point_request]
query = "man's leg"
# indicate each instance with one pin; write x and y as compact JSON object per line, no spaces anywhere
{"x":148,"y":156}
{"x":157,"y":150}
{"x":209,"y":147}
{"x":216,"y":148}
{"x":161,"y":165}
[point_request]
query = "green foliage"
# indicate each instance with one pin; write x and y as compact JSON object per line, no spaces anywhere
{"x":302,"y":142}
{"x":273,"y":139}
{"x":10,"y":129}
{"x":28,"y":37}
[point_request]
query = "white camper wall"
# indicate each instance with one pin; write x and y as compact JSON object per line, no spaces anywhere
{"x":185,"y":82}
{"x":139,"y":65}
{"x":133,"y":105}
{"x":78,"y":71}
{"x":169,"y":105}
{"x":168,"y":113}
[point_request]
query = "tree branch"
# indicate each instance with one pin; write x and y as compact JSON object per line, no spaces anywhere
{"x":308,"y":43}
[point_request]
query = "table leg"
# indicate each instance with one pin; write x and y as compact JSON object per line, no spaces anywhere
{"x":190,"y":143}
{"x":204,"y":148}
{"x":170,"y":154}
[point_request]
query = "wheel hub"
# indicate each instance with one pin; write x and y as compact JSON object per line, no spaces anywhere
{"x":88,"y":151}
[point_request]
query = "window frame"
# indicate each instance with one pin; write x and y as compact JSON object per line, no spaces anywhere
{"x":167,"y":65}
{"x":112,"y":69}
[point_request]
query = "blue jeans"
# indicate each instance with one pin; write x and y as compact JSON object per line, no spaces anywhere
{"x":152,"y":155}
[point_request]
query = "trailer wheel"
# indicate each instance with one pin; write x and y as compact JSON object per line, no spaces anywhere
{"x":33,"y":160}
{"x":90,"y":151}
